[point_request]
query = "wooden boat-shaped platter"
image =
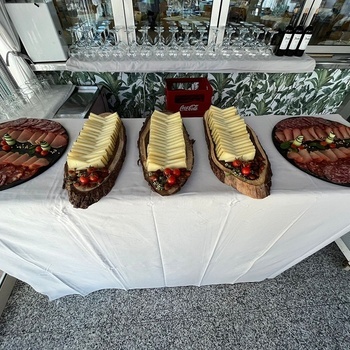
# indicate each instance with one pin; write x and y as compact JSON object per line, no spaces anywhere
{"x":84,"y":196}
{"x":258,"y":185}
{"x":156,"y":186}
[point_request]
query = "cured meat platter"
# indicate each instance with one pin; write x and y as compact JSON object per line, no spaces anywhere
{"x":317,"y":146}
{"x":29,"y":146}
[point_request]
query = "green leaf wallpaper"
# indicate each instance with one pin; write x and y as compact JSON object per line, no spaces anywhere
{"x":135,"y":95}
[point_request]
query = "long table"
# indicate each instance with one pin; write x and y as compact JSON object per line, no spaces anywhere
{"x":208,"y":233}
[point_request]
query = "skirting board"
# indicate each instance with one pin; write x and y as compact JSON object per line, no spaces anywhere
{"x":6,"y":285}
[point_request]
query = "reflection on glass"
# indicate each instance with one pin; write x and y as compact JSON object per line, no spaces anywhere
{"x":170,"y":13}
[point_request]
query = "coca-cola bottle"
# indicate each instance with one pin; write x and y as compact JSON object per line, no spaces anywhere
{"x":281,"y":48}
{"x":306,"y":37}
{"x":298,"y":33}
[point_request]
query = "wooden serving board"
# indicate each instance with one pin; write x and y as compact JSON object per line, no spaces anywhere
{"x":258,"y":188}
{"x":142,"y":145}
{"x":16,"y":172}
{"x":86,"y":197}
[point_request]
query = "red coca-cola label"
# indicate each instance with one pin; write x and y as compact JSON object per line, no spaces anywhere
{"x":190,"y":108}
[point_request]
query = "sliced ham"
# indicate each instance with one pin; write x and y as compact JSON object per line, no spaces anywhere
{"x":50,"y":137}
{"x":30,"y":161}
{"x":35,"y":136}
{"x":330,"y":154}
{"x":3,"y":157}
{"x":328,"y":130}
{"x":11,"y":158}
{"x":316,"y":156}
{"x":337,"y":133}
{"x":19,"y":161}
{"x":322,"y":156}
{"x":321,"y":134}
{"x":59,"y":141}
{"x":288,"y":133}
{"x":304,"y":153}
{"x":296,"y":133}
{"x":15,"y":133}
{"x":40,"y":138}
{"x":25,"y":135}
{"x":339,"y":153}
{"x":3,"y":131}
{"x":280,"y":136}
{"x":313,"y":133}
{"x":306,"y":134}
{"x":295,"y":156}
{"x":39,"y":163}
{"x":344,"y":131}
{"x":345,"y":150}
{"x":2,"y":153}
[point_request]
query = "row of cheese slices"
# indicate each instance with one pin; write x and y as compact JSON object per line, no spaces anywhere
{"x":166,"y":147}
{"x":96,"y":142}
{"x":230,"y":135}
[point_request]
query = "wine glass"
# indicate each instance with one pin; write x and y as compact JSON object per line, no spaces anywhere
{"x":133,"y":48}
{"x":173,"y":47}
{"x":186,"y":48}
{"x":146,"y":46}
{"x":212,"y":48}
{"x":160,"y":48}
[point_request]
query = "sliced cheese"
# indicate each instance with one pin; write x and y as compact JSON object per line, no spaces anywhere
{"x":230,"y":135}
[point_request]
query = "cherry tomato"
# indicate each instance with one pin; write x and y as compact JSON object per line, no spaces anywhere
{"x":177,"y":172}
{"x":323,"y":143}
{"x":93,"y":177}
{"x":38,"y":149}
{"x":293,"y":145}
{"x":3,"y":142}
{"x":171,"y":180}
{"x":236,"y":163}
{"x":332,"y":145}
{"x":84,"y":180}
{"x":167,"y":171}
{"x":44,"y":153}
{"x":245,"y":170}
{"x":6,"y":148}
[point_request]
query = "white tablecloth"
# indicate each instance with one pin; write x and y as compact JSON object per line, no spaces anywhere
{"x":133,"y":238}
{"x":269,"y":64}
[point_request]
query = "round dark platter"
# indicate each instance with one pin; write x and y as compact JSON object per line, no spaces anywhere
{"x":18,"y":173}
{"x":336,"y":172}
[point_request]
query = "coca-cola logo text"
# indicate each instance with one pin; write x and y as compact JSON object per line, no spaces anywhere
{"x":190,"y":108}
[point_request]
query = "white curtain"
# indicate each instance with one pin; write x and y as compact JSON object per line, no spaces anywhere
{"x":10,"y":49}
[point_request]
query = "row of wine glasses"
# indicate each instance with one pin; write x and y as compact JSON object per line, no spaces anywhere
{"x":181,"y":40}
{"x":27,"y":97}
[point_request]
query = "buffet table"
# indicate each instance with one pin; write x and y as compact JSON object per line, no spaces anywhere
{"x":133,"y":238}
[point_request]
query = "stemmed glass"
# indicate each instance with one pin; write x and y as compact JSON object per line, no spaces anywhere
{"x":133,"y":47}
{"x":118,"y":50}
{"x":226,"y":48}
{"x":173,"y":47}
{"x":212,"y":48}
{"x":200,"y":47}
{"x":186,"y":48}
{"x":146,"y":46}
{"x":160,"y":48}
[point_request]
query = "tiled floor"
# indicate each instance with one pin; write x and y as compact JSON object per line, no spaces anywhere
{"x":307,"y":307}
